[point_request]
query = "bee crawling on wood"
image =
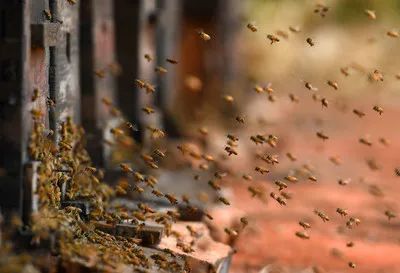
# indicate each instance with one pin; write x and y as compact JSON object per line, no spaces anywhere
{"x":252,"y":27}
{"x":378,"y":109}
{"x":322,"y":136}
{"x":261,"y":170}
{"x":342,"y":212}
{"x":359,"y":113}
{"x":204,"y":36}
{"x":390,"y":214}
{"x":310,"y":41}
{"x":231,"y":232}
{"x":305,"y":225}
{"x":279,"y":199}
{"x":333,"y":84}
{"x":224,"y":200}
{"x":302,"y":234}
{"x":281,"y":185}
{"x":272,"y":38}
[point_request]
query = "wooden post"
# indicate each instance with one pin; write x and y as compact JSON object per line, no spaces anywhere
{"x":99,"y":70}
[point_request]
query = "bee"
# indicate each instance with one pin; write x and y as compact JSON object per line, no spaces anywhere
{"x":203,"y":131}
{"x":324,"y":102}
{"x":291,"y":156}
{"x":220,"y":175}
{"x":342,"y":212}
{"x":247,"y":177}
{"x":333,"y":84}
{"x":140,"y":83}
{"x":160,"y":70}
{"x":240,"y":119}
{"x":138,"y":176}
{"x":310,"y":41}
{"x":228,"y":98}
{"x":36,"y":94}
{"x":65,"y":145}
{"x":148,"y":57}
{"x":359,"y":113}
{"x":290,"y":178}
{"x":305,"y":225}
{"x":106,"y":101}
{"x":370,"y":13}
{"x":322,"y":136}
{"x":101,"y":73}
{"x":230,"y":151}
{"x":71,"y":2}
{"x":214,"y":185}
{"x":282,"y":34}
{"x":303,"y":235}
{"x":47,"y":14}
{"x":321,"y":9}
{"x":294,"y":98}
{"x":345,"y":71}
{"x":335,"y":160}
{"x":244,"y":221}
{"x":149,"y":88}
{"x":279,"y":199}
{"x":261,"y":170}
{"x":224,"y":200}
{"x":159,"y":153}
{"x":384,"y":141}
{"x":252,"y":27}
{"x":172,"y":199}
{"x":344,"y":182}
{"x":376,"y":76}
{"x":322,"y":215}
{"x":254,"y":191}
{"x":294,"y":29}
{"x":378,"y":109}
{"x":350,"y":223}
{"x":350,"y":244}
{"x":352,"y":265}
{"x":281,"y":185}
{"x":271,"y":98}
{"x":310,"y":87}
{"x":312,"y":178}
{"x":148,"y":110}
{"x":204,"y":36}
{"x":397,"y":171}
{"x":131,"y":126}
{"x":273,"y":38}
{"x":390,"y":214}
{"x":365,"y":141}
{"x":172,"y":61}
{"x":157,"y":193}
{"x":392,"y":33}
{"x":116,"y":132}
{"x":209,"y":216}
{"x":231,"y":232}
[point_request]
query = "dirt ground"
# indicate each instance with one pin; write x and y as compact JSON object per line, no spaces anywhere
{"x":270,"y":237}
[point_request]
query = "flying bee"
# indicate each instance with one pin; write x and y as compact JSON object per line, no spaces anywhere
{"x":384,"y":141}
{"x":352,"y":265}
{"x":228,"y":98}
{"x":148,"y":110}
{"x":335,"y":160}
{"x":291,"y":178}
{"x":259,"y":89}
{"x":279,"y":199}
{"x":312,"y":178}
{"x":282,"y":34}
{"x":214,"y":185}
{"x":291,"y":156}
{"x":230,"y":151}
{"x":294,"y":98}
{"x":261,"y":170}
{"x":350,"y":244}
{"x":131,"y":126}
{"x":171,"y":61}
{"x":365,"y":141}
{"x":344,"y":182}
{"x":342,"y":212}
{"x":333,"y":84}
{"x":359,"y":113}
{"x":281,"y":185}
{"x":148,"y":57}
{"x":376,"y":76}
{"x":310,"y":41}
{"x":240,"y":119}
{"x":231,"y":232}
{"x":378,"y":109}
{"x":47,"y":14}
{"x":322,"y":215}
{"x":287,"y":195}
{"x":303,"y":235}
{"x":252,"y":27}
{"x":305,"y":225}
{"x":345,"y":71}
{"x":294,"y":29}
{"x":247,"y":177}
{"x":273,"y":38}
{"x":350,"y":223}
{"x":322,"y":136}
{"x":390,"y":214}
{"x":370,"y":13}
{"x":271,"y":98}
{"x":204,"y":36}
{"x":36,"y":94}
{"x":244,"y":221}
{"x":172,"y":199}
{"x":324,"y":102}
{"x":224,"y":200}
{"x":160,"y":70}
{"x":393,"y":34}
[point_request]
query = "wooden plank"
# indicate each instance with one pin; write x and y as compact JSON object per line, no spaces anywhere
{"x":15,"y":119}
{"x":97,"y":56}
